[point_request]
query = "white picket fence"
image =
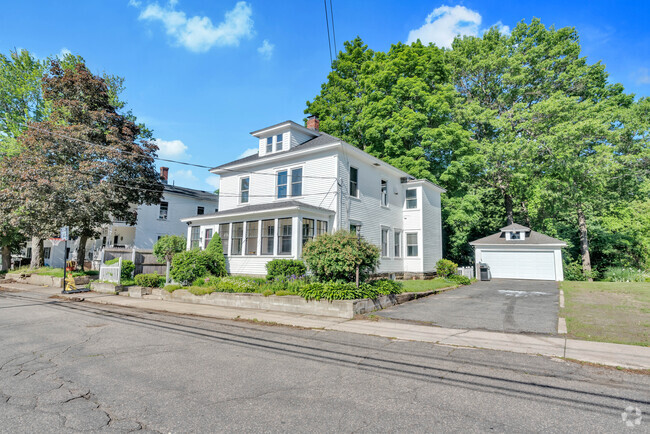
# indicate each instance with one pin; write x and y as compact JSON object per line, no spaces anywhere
{"x":466,"y":271}
{"x":111,"y":273}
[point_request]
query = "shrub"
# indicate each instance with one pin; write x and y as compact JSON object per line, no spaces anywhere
{"x":149,"y":280}
{"x":462,"y":280}
{"x":385,"y":286}
{"x":332,"y":257}
{"x":200,"y":290}
{"x":285,"y":267}
{"x":234,"y":284}
{"x":445,"y":267}
{"x":623,"y":274}
{"x":573,"y":271}
{"x":189,"y":265}
{"x":172,"y":288}
{"x":217,"y":263}
{"x":128,"y":267}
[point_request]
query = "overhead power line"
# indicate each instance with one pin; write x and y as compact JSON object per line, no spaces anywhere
{"x":333,"y":32}
{"x":329,"y":41}
{"x":167,"y":160}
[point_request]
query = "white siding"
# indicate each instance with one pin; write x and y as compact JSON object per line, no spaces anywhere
{"x":431,"y":228}
{"x":296,"y":138}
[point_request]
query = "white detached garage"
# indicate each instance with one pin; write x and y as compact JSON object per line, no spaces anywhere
{"x":516,"y":252}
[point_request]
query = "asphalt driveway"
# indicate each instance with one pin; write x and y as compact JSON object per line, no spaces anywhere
{"x":528,"y":306}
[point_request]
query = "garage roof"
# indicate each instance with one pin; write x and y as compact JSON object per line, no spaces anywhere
{"x":532,"y":238}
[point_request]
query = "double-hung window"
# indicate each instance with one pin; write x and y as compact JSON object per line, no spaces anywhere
{"x":384,"y":192}
{"x":237,"y":237}
{"x":354,"y":228}
{"x":411,"y":198}
{"x":46,"y":252}
{"x":412,"y":244}
{"x":307,"y":230}
{"x":251,"y":238}
{"x":384,"y":242}
{"x":200,"y":210}
{"x":195,"y":237}
{"x":244,"y":187}
{"x":224,"y":233}
{"x":164,"y":208}
{"x":269,"y":145}
{"x":354,"y":182}
{"x":268,"y":236}
{"x":282,"y":184}
{"x":278,"y":142}
{"x":296,"y":182}
{"x":398,"y":244}
{"x":208,"y":237}
{"x":284,"y":236}
{"x":321,"y":227}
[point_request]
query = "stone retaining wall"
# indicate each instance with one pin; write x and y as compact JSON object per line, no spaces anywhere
{"x":45,"y":280}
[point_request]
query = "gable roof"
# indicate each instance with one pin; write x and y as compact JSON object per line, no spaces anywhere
{"x":532,"y":239}
{"x":190,"y":192}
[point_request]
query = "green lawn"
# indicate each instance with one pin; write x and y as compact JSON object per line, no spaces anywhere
{"x":54,"y":272}
{"x":615,"y":312}
{"x":426,"y":285}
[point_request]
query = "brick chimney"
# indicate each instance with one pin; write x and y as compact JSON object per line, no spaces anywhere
{"x":313,"y":123}
{"x":164,"y":174}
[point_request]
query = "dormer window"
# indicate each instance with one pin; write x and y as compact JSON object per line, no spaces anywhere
{"x":278,"y":142}
{"x":269,"y":145}
{"x":515,"y":235}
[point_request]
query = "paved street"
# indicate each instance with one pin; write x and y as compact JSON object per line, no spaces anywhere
{"x":506,"y":305}
{"x":67,"y":366}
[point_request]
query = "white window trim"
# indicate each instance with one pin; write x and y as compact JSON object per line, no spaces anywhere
{"x":417,"y":199}
{"x":266,"y":145}
{"x":289,"y":170}
{"x":417,"y":240}
{"x":358,"y":195}
{"x":249,"y":189}
{"x":275,"y":142}
{"x":381,"y":197}
{"x":383,"y":228}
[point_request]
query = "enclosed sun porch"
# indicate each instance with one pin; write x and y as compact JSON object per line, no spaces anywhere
{"x":256,"y":234}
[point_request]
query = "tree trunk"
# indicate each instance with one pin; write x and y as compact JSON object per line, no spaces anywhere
{"x":37,"y":253}
{"x":584,"y":244}
{"x":167,"y":271}
{"x":524,"y":210}
{"x":6,"y":258}
{"x":81,"y":251}
{"x":509,"y":214}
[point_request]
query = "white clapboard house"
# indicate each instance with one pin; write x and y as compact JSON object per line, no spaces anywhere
{"x":302,"y":183}
{"x":153,"y":222}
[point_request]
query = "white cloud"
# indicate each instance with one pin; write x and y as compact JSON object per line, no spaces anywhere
{"x":197,"y":33}
{"x":64,"y":52}
{"x":266,"y":49}
{"x":248,"y":152}
{"x":170,"y":148}
{"x":642,"y":76}
{"x":446,"y":22}
{"x":213,"y":181}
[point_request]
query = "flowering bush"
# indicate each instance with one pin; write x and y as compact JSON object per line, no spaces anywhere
{"x":623,"y":274}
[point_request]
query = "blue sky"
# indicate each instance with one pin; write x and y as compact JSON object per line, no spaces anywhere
{"x":203,"y":74}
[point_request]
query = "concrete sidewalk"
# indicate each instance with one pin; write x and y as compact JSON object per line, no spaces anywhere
{"x":626,"y":356}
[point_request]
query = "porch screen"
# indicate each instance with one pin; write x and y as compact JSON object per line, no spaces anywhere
{"x":237,"y":237}
{"x":208,"y":237}
{"x":321,"y":227}
{"x":284,"y":236}
{"x":224,"y":230}
{"x":307,"y":230}
{"x":251,"y":238}
{"x":268,"y":236}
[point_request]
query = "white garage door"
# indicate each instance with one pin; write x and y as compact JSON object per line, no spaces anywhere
{"x":520,"y":265}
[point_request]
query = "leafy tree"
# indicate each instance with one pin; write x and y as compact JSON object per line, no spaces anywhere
{"x":84,"y":166}
{"x":332,"y":257}
{"x":165,"y":249}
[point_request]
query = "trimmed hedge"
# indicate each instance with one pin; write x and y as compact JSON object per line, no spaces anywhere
{"x":285,"y":268}
{"x":348,"y":290}
{"x":189,"y":265}
{"x":150,"y":280}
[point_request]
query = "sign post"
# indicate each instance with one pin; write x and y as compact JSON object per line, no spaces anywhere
{"x":64,"y":236}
